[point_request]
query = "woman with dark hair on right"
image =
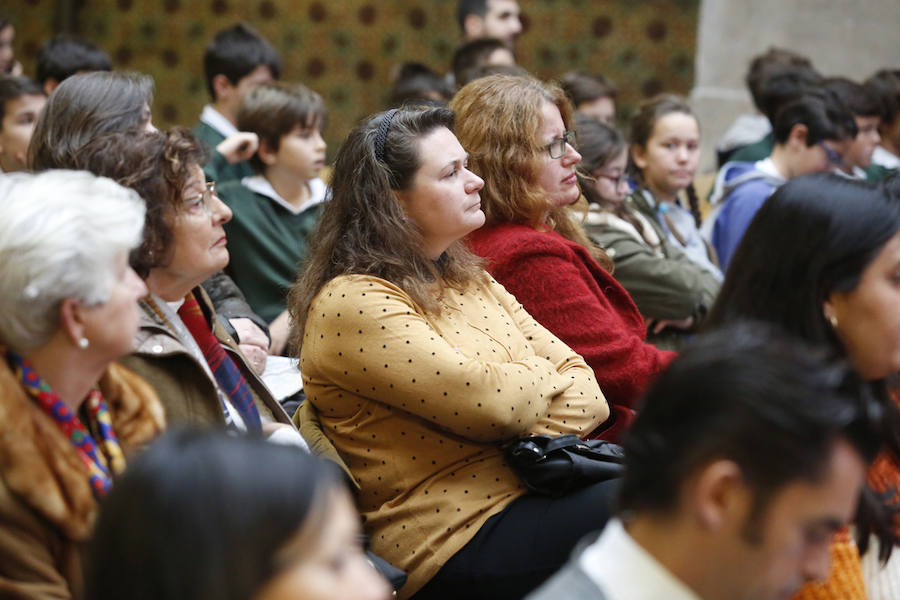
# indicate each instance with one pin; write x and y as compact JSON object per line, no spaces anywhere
{"x":821,"y":259}
{"x":419,"y":367}
{"x":196,"y":517}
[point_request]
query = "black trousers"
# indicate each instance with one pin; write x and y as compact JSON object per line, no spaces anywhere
{"x":519,"y":548}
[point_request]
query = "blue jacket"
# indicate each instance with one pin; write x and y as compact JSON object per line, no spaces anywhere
{"x":745,"y":189}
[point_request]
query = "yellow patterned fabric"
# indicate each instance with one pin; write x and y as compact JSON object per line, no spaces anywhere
{"x":348,"y":50}
{"x":845,"y":581}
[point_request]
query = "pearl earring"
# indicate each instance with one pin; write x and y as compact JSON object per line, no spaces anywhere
{"x":83,"y":343}
{"x":833,"y":320}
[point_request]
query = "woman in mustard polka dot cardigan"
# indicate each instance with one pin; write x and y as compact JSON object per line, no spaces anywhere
{"x":418,"y":366}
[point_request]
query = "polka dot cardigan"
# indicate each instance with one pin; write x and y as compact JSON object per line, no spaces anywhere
{"x":417,"y":405}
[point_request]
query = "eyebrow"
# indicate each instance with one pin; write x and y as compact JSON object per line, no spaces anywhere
{"x":553,"y":137}
{"x":454,"y":162}
{"x":830,"y":524}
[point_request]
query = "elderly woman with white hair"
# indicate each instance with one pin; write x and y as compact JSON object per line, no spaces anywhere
{"x":69,"y":416}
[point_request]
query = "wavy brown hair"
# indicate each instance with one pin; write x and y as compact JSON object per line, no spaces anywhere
{"x":157,"y":165}
{"x":364,"y":229}
{"x":498,"y":118}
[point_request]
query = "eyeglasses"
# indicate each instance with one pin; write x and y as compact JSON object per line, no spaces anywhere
{"x":834,"y":157}
{"x":616,"y":180}
{"x":557,"y":148}
{"x":202,"y":203}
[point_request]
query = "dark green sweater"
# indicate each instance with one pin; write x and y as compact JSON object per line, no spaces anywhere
{"x":755,"y":151}
{"x":266,"y":242}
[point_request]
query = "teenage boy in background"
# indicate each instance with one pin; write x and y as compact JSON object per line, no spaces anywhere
{"x":866,"y":110}
{"x":236,"y":59}
{"x":810,"y":134}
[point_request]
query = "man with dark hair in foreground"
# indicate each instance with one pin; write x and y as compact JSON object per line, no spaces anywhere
{"x":749,"y":453}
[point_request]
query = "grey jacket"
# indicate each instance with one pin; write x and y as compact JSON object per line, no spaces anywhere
{"x":570,"y":582}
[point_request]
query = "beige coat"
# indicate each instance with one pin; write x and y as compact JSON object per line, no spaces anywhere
{"x":47,"y":509}
{"x":186,"y":390}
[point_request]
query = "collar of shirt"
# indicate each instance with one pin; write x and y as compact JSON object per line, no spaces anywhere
{"x":767,"y":166}
{"x":217,"y":121}
{"x":885,"y":158}
{"x":623,"y":570}
{"x":858,"y":173}
{"x":261,"y":185}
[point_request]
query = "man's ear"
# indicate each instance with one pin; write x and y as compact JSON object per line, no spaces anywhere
{"x":50,"y":84}
{"x":718,"y":494}
{"x":797,"y":136}
{"x":473,"y":25}
{"x":221,"y":86}
{"x":72,"y":319}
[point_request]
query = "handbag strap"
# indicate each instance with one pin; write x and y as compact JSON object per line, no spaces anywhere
{"x":562,"y":441}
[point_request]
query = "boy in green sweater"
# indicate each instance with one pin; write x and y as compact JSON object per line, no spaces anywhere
{"x":276,"y":209}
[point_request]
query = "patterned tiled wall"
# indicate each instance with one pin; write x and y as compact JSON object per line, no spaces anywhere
{"x":346,"y":49}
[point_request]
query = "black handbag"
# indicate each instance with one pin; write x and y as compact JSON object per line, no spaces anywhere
{"x":395,"y":576}
{"x":555,"y":466}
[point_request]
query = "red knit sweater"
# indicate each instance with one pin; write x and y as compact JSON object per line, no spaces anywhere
{"x":566,"y":291}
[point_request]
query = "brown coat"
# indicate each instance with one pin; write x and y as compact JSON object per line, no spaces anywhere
{"x":187,"y":392}
{"x":47,"y":510}
{"x":417,"y":406}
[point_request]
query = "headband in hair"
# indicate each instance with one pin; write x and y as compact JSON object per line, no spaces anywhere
{"x":381,"y":136}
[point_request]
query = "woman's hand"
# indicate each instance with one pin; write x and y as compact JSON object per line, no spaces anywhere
{"x":253,"y":343}
{"x":657,"y":325}
{"x":279,"y":331}
{"x":240,"y":146}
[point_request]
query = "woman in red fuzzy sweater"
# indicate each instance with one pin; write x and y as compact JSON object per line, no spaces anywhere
{"x":516,"y":131}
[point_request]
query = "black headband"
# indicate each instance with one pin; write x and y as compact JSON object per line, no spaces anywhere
{"x":381,"y":136}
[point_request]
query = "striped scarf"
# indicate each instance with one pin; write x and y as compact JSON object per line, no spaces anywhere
{"x":101,"y":459}
{"x":227,"y":374}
